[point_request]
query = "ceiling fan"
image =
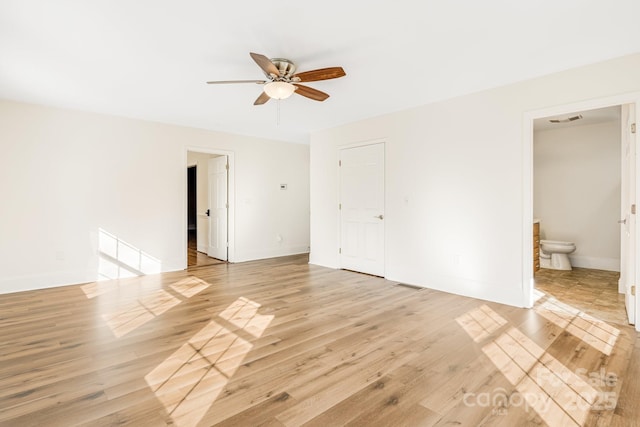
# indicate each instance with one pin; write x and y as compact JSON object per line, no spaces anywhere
{"x":282,"y":82}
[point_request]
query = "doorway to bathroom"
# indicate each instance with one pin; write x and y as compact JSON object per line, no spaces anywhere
{"x":583,"y":193}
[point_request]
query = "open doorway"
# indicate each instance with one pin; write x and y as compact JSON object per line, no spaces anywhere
{"x":208,"y":206}
{"x":583,"y":183}
{"x":577,"y":187}
{"x":192,"y":214}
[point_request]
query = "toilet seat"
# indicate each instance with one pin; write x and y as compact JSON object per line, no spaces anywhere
{"x":556,"y":242}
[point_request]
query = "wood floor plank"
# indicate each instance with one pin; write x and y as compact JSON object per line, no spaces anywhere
{"x":280,"y":342}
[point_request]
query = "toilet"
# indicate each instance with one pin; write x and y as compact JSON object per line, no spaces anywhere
{"x":555,"y":254}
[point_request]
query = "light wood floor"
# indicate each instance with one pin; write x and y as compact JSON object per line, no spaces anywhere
{"x":280,"y":342}
{"x":195,"y":258}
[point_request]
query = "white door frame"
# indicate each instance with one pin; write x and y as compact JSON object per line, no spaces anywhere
{"x":527,"y":179}
{"x":339,"y":149}
{"x":628,"y":230}
{"x":231,"y":235}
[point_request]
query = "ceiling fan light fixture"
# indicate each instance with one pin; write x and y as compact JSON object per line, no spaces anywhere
{"x":279,"y":90}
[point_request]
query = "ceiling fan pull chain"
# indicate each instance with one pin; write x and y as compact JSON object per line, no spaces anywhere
{"x":278,"y":113}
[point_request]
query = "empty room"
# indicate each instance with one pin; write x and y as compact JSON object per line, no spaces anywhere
{"x":348,"y":213}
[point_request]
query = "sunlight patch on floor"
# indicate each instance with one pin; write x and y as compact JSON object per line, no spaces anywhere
{"x":144,"y":309}
{"x":136,"y":314}
{"x":596,"y":333}
{"x":558,"y":395}
{"x":95,"y":289}
{"x":191,"y":379}
{"x":243,"y":313}
{"x":481,"y":322}
{"x":190,"y":286}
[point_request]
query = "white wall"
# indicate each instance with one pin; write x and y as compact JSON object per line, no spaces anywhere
{"x":455,"y":182}
{"x":577,"y":191}
{"x":66,"y":174}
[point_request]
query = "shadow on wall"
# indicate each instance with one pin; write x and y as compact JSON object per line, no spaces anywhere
{"x":119,"y":259}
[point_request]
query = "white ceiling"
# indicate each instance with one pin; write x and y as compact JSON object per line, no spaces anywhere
{"x":150,"y":58}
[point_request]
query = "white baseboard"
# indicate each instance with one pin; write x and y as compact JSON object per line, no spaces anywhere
{"x":272,"y":253}
{"x":608,"y":264}
{"x":202,"y":248}
{"x":57,"y":279}
{"x":44,"y":281}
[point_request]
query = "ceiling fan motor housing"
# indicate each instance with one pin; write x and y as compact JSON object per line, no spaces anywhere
{"x":286,"y":68}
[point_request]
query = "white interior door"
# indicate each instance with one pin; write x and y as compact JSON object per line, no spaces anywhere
{"x":218,"y":207}
{"x":362,"y":209}
{"x":628,"y":221}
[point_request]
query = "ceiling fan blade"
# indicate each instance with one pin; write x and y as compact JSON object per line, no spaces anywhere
{"x":265,"y":63}
{"x":320,"y":74}
{"x":224,"y":82}
{"x":263,"y":98}
{"x":311,"y":93}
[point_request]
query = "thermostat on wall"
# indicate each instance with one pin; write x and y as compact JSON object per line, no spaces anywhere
{"x":283,"y":186}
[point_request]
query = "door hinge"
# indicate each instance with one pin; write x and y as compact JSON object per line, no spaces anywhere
{"x":227,"y":244}
{"x":339,"y":162}
{"x":339,"y":250}
{"x":633,"y":128}
{"x":633,"y":290}
{"x":340,"y":206}
{"x":633,"y":209}
{"x":226,"y":205}
{"x":226,"y":166}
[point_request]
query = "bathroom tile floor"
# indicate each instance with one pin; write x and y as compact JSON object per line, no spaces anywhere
{"x":594,"y":292}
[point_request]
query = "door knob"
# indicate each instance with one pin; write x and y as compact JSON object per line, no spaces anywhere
{"x":379,"y":216}
{"x":208,"y":212}
{"x":622,"y":221}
